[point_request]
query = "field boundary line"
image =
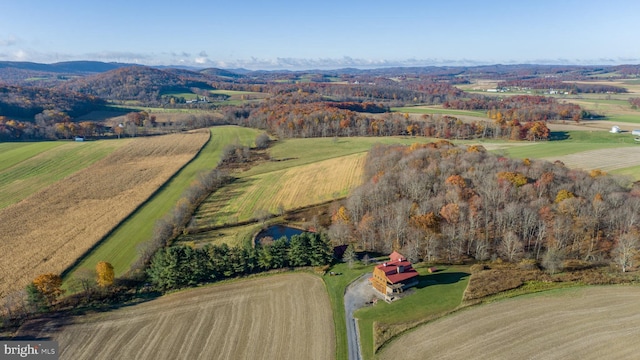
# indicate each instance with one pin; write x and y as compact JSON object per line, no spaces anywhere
{"x":71,"y":268}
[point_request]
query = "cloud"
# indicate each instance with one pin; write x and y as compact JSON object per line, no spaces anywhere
{"x":254,"y":63}
{"x":202,"y":59}
{"x":121,"y":56}
{"x":9,"y":41}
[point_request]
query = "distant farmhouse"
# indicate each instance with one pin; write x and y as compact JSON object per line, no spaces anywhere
{"x":394,"y":276}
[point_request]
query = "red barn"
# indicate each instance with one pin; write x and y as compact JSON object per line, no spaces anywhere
{"x":394,"y":276}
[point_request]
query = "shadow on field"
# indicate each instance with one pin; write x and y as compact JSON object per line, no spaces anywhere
{"x":440,"y":279}
{"x":558,"y":135}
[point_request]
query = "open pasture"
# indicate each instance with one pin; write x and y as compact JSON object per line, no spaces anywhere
{"x":26,"y":168}
{"x":587,"y":150}
{"x":290,"y":188}
{"x":302,"y":172}
{"x":273,"y":317}
{"x":439,"y":110}
{"x":585,"y":323}
{"x":120,"y":247}
{"x":603,"y":159}
{"x":49,"y":230}
{"x":575,"y":141}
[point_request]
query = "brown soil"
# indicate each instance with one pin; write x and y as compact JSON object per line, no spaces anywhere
{"x":586,"y":323}
{"x":274,"y":317}
{"x":48,"y":231}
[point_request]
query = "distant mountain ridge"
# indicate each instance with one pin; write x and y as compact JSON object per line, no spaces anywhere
{"x":136,"y":83}
{"x":69,"y":67}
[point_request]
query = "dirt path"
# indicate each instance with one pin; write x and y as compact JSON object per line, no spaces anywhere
{"x":584,"y":323}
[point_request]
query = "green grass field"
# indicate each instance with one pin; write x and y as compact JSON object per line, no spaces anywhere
{"x":628,"y":118}
{"x":120,"y":247}
{"x":238,"y":93}
{"x":439,"y":110}
{"x":232,"y":235}
{"x":576,"y":141}
{"x":436,"y":295}
{"x":26,"y":168}
{"x":307,"y":172}
{"x":177,"y":94}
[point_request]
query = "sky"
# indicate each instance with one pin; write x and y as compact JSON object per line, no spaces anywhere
{"x":329,"y":34}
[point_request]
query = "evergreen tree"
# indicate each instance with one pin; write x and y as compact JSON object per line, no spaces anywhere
{"x":299,"y":248}
{"x":321,"y":250}
{"x":280,"y":252}
{"x":349,"y":255}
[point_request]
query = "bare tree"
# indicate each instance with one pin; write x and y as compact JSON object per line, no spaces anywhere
{"x":339,"y":232}
{"x":510,"y":246}
{"x":625,"y":250}
{"x":552,"y":260}
{"x":262,"y":141}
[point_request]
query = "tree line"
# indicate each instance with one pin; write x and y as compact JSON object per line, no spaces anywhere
{"x":545,"y":83}
{"x":439,"y":202}
{"x":300,"y":114}
{"x":181,"y":266}
{"x":523,"y":108}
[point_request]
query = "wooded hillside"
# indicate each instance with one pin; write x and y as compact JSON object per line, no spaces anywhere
{"x":442,"y":202}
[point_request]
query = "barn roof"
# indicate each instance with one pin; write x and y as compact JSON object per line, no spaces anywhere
{"x":398,"y":262}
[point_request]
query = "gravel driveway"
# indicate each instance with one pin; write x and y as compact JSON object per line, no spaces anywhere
{"x":357,"y":294}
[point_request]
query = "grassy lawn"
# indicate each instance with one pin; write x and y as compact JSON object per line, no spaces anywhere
{"x":237,"y":92}
{"x":12,"y":153}
{"x":575,"y":142}
{"x":177,"y":94}
{"x":633,"y":172}
{"x":629,"y":118}
{"x":436,"y":295}
{"x":148,"y":109}
{"x":438,"y":110}
{"x":232,"y":235}
{"x":336,"y":286}
{"x":119,"y":248}
{"x":26,"y":168}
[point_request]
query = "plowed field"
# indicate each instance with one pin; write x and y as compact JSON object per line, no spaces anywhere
{"x":276,"y":317}
{"x":587,"y":323}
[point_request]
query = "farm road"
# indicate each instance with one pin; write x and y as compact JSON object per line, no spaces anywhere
{"x":357,"y":294}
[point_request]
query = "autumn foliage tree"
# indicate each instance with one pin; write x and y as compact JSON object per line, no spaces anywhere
{"x":446,"y":203}
{"x":45,"y":289}
{"x":105,"y":274}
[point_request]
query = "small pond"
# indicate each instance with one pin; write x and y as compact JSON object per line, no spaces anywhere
{"x":275,"y":232}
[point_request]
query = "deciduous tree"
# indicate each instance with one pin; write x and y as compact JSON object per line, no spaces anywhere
{"x":105,"y":274}
{"x":49,"y":286}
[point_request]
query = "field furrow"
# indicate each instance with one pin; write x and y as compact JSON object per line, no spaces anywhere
{"x":35,"y":166}
{"x":291,"y":188}
{"x":49,"y":230}
{"x":587,"y":323}
{"x":603,"y":159}
{"x":276,"y":317}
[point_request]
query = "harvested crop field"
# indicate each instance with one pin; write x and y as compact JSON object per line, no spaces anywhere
{"x":49,"y":230}
{"x":291,"y":188}
{"x":603,"y":159}
{"x":27,"y":168}
{"x":585,"y":323}
{"x":275,"y":317}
